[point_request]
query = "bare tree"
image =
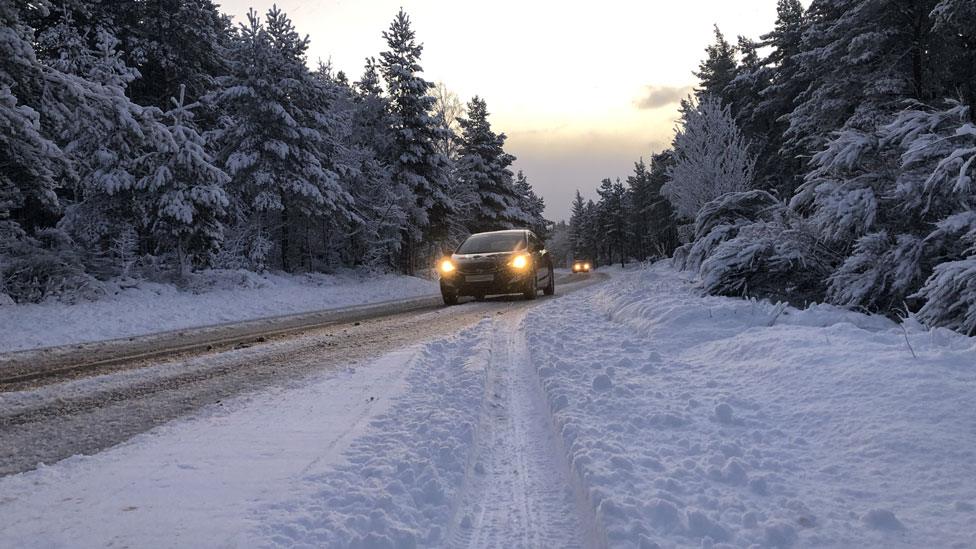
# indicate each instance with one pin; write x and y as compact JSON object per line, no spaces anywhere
{"x":449,"y":109}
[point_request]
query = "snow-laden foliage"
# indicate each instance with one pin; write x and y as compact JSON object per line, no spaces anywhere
{"x":950,"y":296}
{"x":711,"y":158}
{"x":721,"y":219}
{"x":778,"y":260}
{"x":277,"y":136}
{"x":532,"y":206}
{"x":484,"y":168}
{"x":749,"y":244}
{"x":259,"y":164}
{"x":188,"y":203}
{"x":417,"y":163}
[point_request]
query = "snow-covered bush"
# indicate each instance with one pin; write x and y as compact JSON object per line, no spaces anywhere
{"x":720,"y":220}
{"x":881,"y":272}
{"x":950,"y":296}
{"x":45,"y":266}
{"x":949,"y":293}
{"x":769,"y":259}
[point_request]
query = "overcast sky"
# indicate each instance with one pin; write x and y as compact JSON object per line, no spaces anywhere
{"x":581,"y":90}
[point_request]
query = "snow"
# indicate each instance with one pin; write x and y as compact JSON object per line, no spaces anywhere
{"x":743,"y":423}
{"x":215,"y":297}
{"x":631,"y":414}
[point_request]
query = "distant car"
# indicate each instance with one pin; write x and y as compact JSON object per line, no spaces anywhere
{"x":499,"y":262}
{"x":581,"y":266}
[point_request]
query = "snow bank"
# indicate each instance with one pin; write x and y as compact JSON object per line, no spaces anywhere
{"x":720,"y":422}
{"x":213,"y":297}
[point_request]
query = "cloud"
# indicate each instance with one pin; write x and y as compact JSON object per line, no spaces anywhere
{"x":659,"y":96}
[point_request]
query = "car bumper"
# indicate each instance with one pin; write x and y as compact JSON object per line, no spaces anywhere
{"x":502,"y":283}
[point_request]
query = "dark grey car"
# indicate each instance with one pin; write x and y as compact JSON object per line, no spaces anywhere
{"x":499,"y":262}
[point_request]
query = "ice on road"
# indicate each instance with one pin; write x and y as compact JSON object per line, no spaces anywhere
{"x":632,"y":414}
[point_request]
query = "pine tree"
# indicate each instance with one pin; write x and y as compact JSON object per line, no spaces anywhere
{"x":187,"y":191}
{"x":484,"y":167}
{"x":276,"y":137}
{"x":717,"y":70}
{"x":174,"y":44}
{"x":642,"y":199}
{"x":418,"y":166}
{"x":32,"y":163}
{"x":381,"y":203}
{"x":615,"y":208}
{"x":532,"y":206}
{"x":577,"y":227}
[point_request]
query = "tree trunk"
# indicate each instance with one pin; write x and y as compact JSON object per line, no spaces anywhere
{"x":284,"y":238}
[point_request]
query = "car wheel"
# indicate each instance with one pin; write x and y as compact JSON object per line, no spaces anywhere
{"x":550,"y":288}
{"x":450,"y":298}
{"x":531,"y":288}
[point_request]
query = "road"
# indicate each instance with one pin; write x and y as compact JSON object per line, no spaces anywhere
{"x":46,"y":418}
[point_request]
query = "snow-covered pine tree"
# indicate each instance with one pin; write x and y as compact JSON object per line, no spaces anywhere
{"x":32,"y":163}
{"x":274,"y":138}
{"x":484,"y":167}
{"x":381,"y":203}
{"x":577,"y":229}
{"x":717,"y":70}
{"x":711,"y":158}
{"x":766,"y":122}
{"x":642,"y":200}
{"x":663,"y":234}
{"x":878,"y":55}
{"x":186,"y":191}
{"x":172,"y":43}
{"x":532,"y":205}
{"x":614,"y":207}
{"x":417,"y":164}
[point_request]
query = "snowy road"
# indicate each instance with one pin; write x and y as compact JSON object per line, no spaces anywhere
{"x":83,"y":416}
{"x":631,"y":414}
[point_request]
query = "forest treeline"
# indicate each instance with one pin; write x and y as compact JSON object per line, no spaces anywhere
{"x":149,"y":138}
{"x":830,"y":160}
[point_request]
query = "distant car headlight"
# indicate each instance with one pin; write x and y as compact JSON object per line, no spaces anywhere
{"x":447,"y":266}
{"x":520,"y":262}
{"x":586,"y":266}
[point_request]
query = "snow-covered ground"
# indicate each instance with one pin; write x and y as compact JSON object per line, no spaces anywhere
{"x":695,"y":420}
{"x":215,"y":297}
{"x":633,"y":414}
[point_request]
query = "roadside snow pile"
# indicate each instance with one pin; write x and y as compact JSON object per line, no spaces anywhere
{"x":214,"y":297}
{"x":400,"y":480}
{"x":709,"y":421}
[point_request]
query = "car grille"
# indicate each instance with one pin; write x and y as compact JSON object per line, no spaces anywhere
{"x":478,"y":267}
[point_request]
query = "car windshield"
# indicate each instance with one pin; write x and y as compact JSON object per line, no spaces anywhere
{"x":488,"y":243}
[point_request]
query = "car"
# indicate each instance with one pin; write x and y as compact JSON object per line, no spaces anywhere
{"x":581,"y":266}
{"x":498,"y":262}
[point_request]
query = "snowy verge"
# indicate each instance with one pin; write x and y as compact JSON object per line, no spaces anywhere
{"x":701,"y":421}
{"x":214,"y":297}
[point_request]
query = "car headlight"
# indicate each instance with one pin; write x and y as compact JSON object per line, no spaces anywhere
{"x":586,"y":266}
{"x":447,"y":266}
{"x":520,"y":261}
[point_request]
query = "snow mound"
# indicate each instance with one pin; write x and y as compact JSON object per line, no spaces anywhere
{"x":134,"y":308}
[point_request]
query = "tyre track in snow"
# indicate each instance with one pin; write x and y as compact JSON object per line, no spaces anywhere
{"x":519,"y":491}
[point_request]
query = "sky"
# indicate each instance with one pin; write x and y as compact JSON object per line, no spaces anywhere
{"x":582,"y":89}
